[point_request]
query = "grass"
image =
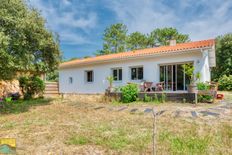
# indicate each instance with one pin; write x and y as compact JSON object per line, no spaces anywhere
{"x":9,"y":125}
{"x":77,"y":140}
{"x":76,"y":128}
{"x":228,"y":94}
{"x":138,"y":102}
{"x":111,"y":137}
{"x":21,"y":105}
{"x":185,"y":143}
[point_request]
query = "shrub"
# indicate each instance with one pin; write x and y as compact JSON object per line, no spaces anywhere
{"x":129,"y":93}
{"x":31,"y":86}
{"x":203,"y":86}
{"x":205,"y":98}
{"x":8,"y":99}
{"x":163,"y":98}
{"x":147,"y":98}
{"x":155,"y":99}
{"x":37,"y":85}
{"x":225,"y":83}
{"x":23,"y":82}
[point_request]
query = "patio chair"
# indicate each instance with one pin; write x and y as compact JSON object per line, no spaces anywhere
{"x":160,"y":86}
{"x":148,"y":86}
{"x":141,"y":87}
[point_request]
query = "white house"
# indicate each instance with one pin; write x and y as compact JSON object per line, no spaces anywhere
{"x":164,"y":63}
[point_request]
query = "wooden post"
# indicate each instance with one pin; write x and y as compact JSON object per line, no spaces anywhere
{"x":154,"y":148}
{"x":196,"y":98}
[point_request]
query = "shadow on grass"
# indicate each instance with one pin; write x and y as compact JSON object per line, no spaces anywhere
{"x":20,"y":106}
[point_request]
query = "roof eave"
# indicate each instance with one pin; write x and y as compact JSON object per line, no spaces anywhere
{"x":133,"y":57}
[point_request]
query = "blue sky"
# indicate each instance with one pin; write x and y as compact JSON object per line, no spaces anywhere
{"x":81,"y":23}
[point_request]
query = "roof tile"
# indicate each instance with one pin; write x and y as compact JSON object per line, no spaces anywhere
{"x":141,"y":52}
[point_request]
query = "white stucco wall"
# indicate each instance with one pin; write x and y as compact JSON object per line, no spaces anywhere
{"x":150,"y":69}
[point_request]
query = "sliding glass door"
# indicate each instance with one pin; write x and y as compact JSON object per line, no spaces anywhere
{"x":174,"y":77}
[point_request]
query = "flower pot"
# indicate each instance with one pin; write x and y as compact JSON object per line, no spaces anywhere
{"x":110,"y":89}
{"x":192,"y":88}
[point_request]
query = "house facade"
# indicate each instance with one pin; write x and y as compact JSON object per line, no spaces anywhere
{"x":159,"y":64}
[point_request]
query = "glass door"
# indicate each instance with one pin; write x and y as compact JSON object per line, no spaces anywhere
{"x":174,"y":77}
{"x":166,"y":76}
{"x":180,"y":82}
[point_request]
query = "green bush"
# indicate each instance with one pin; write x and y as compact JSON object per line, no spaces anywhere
{"x":129,"y":93}
{"x":163,"y":98}
{"x":203,"y":86}
{"x":31,"y":86}
{"x":205,"y":98}
{"x":156,"y":99}
{"x":225,"y":83}
{"x":147,"y":98}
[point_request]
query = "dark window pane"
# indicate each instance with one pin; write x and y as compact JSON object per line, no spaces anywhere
{"x":133,"y":73}
{"x":187,"y":78}
{"x":89,"y":76}
{"x":162,"y":74}
{"x":169,"y":76}
{"x":115,"y":74}
{"x":180,"y":77}
{"x":70,"y":80}
{"x":140,"y":73}
{"x":120,"y":74}
{"x":174,"y":77}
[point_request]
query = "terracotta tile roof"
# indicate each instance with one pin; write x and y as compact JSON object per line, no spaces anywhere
{"x":141,"y":52}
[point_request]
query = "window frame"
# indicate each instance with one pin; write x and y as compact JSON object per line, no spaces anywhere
{"x":118,"y":73}
{"x":86,"y":76}
{"x":137,"y":73}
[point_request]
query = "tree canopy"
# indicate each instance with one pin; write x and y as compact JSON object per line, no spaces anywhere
{"x":116,"y":39}
{"x":136,"y":40}
{"x":25,"y":41}
{"x":162,"y":36}
{"x":223,"y":57}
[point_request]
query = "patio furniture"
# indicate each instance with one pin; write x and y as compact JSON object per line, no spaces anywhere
{"x":160,"y":86}
{"x":153,"y":87}
{"x":141,"y":87}
{"x":220,"y":96}
{"x":148,"y":86}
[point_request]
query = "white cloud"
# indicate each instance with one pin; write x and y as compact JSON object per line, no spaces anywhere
{"x":212,"y":23}
{"x":146,"y":15}
{"x":66,"y":2}
{"x":138,"y":15}
{"x":68,"y":17}
{"x":70,"y":38}
{"x":142,"y":16}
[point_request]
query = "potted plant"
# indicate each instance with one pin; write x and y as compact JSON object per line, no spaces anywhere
{"x":110,"y":79}
{"x":189,"y":71}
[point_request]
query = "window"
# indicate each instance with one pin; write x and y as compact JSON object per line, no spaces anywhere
{"x":70,"y":80}
{"x":137,"y":73}
{"x":89,"y":76}
{"x":117,"y":74}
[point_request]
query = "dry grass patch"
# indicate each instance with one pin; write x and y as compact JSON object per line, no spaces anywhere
{"x":69,"y":127}
{"x":113,"y":136}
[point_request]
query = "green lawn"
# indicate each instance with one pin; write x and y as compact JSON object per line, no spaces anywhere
{"x":20,"y":106}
